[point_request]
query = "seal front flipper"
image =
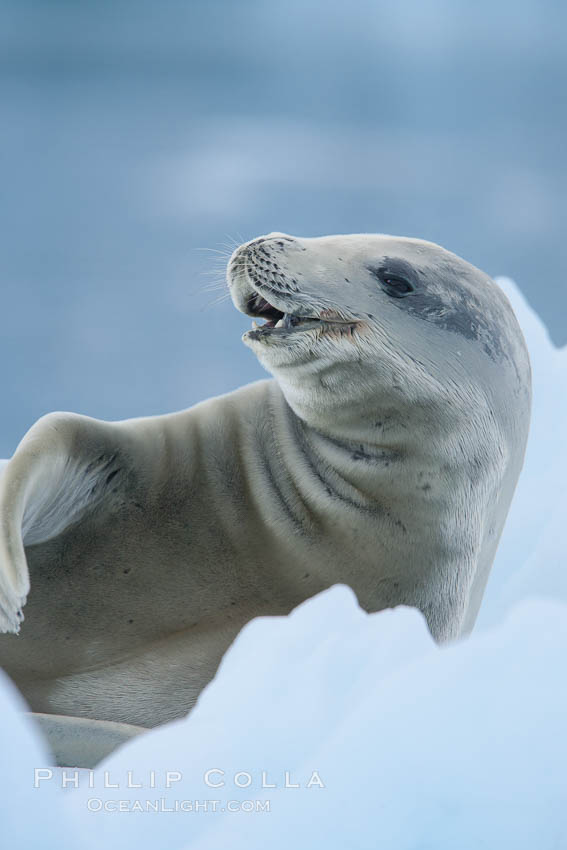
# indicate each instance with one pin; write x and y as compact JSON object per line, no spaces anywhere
{"x":60,"y":470}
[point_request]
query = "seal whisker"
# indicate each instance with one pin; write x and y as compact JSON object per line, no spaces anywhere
{"x":223,"y":252}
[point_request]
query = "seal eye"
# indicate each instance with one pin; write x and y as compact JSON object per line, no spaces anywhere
{"x":396,"y":280}
{"x":395,"y":286}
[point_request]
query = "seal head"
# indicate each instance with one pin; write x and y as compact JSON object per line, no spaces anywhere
{"x":390,"y":320}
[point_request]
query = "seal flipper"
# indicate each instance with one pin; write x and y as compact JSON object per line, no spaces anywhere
{"x":59,"y":471}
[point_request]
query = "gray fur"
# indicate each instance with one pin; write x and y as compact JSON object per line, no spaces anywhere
{"x":384,"y":455}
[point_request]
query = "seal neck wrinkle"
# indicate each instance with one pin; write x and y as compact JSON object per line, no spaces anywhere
{"x":350,"y":410}
{"x":357,"y":463}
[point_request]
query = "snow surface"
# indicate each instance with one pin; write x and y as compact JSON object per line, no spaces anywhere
{"x":417,"y":746}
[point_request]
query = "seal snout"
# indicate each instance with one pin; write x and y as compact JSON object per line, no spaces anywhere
{"x":265,"y":284}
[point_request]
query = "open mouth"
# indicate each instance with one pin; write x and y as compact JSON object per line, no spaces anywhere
{"x":276,"y":321}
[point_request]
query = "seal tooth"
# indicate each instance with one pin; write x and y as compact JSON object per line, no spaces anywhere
{"x":255,"y":326}
{"x":281,"y":323}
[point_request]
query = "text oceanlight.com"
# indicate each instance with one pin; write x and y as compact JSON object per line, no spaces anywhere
{"x":98,"y":804}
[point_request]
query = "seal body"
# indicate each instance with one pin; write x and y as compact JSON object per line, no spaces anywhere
{"x":383,"y":455}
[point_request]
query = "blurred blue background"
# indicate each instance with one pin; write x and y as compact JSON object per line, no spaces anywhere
{"x":135,"y":134}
